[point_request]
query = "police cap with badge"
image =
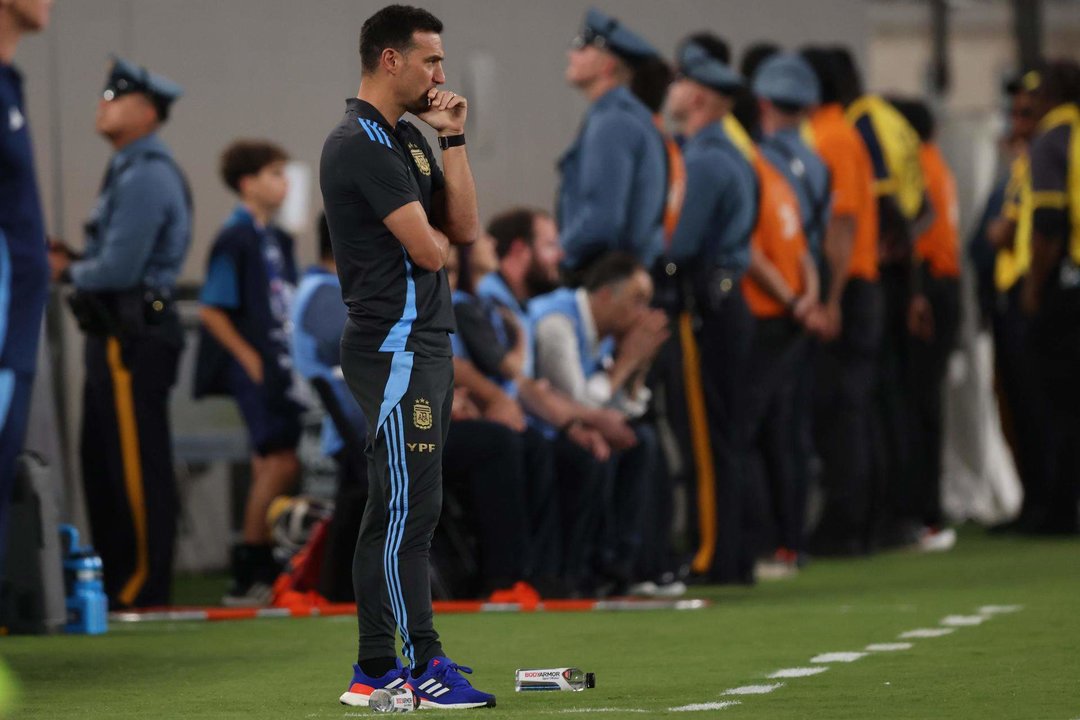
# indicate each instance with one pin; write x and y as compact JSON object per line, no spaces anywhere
{"x":605,"y":32}
{"x":787,"y":80}
{"x":126,"y":77}
{"x":698,"y":64}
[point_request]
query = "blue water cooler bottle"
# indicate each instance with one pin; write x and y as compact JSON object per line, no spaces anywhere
{"x":87,"y":604}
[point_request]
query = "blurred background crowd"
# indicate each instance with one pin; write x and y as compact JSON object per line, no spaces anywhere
{"x":808,"y":289}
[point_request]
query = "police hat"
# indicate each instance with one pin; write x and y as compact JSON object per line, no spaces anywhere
{"x":605,"y":32}
{"x":788,"y":79}
{"x":126,"y":77}
{"x":698,"y":64}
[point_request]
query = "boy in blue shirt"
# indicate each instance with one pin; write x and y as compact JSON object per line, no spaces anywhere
{"x":244,"y":350}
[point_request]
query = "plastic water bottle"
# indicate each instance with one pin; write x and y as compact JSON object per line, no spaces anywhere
{"x":553,"y":679}
{"x":87,"y":604}
{"x":395,"y":700}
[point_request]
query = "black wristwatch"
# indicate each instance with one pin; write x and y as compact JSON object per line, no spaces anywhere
{"x":448,"y":141}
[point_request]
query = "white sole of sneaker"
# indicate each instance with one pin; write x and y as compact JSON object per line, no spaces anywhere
{"x":428,"y":705}
{"x":354,"y":699}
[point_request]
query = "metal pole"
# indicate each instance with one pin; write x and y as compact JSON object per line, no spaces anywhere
{"x":1028,"y":28}
{"x":939,"y":27}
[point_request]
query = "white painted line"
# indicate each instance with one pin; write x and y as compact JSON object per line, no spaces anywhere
{"x":571,"y":711}
{"x":844,"y":657}
{"x":999,"y":609}
{"x":963,"y":620}
{"x":697,"y":707}
{"x":889,"y":647}
{"x":798,"y":672}
{"x":754,"y":689}
{"x":926,"y":633}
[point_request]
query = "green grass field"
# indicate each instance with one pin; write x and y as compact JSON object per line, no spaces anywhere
{"x":1020,"y":665}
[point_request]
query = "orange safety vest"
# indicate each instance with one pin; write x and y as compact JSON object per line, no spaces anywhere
{"x":939,"y":246}
{"x":779,"y":236}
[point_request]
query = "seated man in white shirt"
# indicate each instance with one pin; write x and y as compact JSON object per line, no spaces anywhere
{"x":596,"y":344}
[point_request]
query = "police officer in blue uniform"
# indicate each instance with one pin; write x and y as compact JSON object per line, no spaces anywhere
{"x":711,"y":251}
{"x":136,"y":240}
{"x":787,"y":83}
{"x":786,"y":88}
{"x":614,"y":175}
{"x":24,"y":277}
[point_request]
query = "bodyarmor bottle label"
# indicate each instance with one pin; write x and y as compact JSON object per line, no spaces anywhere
{"x":553,"y":679}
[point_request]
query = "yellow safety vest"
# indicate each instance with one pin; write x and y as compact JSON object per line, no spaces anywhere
{"x":1069,"y":200}
{"x":899,"y":145}
{"x":1011,"y":264}
{"x":739,"y":137}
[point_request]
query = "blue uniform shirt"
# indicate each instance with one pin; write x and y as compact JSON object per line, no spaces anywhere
{"x":140,"y":228}
{"x":24,"y":273}
{"x":318,"y":317}
{"x":614,"y":183}
{"x":720,"y":208}
{"x":808,"y":177}
{"x":252,"y":277}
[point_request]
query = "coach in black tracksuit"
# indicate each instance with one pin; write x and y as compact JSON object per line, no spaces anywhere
{"x":392,"y":215}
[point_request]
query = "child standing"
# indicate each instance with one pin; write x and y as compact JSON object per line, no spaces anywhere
{"x":244,"y":351}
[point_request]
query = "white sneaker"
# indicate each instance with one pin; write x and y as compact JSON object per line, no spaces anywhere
{"x":257,"y":594}
{"x":932,"y":540}
{"x":766,"y":570}
{"x":673,"y":589}
{"x":642,"y":589}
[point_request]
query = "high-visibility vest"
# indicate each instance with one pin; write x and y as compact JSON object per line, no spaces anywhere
{"x":894,"y":148}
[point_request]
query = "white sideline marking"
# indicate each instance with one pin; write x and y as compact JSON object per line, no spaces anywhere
{"x":696,"y":707}
{"x":963,"y":620}
{"x":999,"y":609}
{"x":889,"y":647}
{"x":571,"y":710}
{"x":926,"y":633}
{"x":844,"y":657}
{"x":754,"y":689}
{"x":798,"y":672}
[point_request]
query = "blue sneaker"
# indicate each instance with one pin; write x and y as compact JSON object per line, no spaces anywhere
{"x":443,"y":687}
{"x":362,"y":685}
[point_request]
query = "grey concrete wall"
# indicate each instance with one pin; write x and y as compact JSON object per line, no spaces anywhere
{"x":282,"y":69}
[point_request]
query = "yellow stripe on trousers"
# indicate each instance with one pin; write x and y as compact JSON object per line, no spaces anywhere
{"x":132,"y":462}
{"x":702,"y":448}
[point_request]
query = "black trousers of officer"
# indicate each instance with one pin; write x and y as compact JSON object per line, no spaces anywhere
{"x":844,"y":422}
{"x":126,"y":453}
{"x":1023,"y":394}
{"x":892,"y":485}
{"x":927,"y":364}
{"x":1056,"y":333}
{"x":579,"y":481}
{"x":630,"y":480}
{"x":486,"y":462}
{"x":770,"y":397}
{"x":806,"y":463}
{"x":407,"y":399}
{"x":724,"y":340}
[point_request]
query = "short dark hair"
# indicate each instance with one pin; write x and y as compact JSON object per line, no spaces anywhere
{"x":393,"y":27}
{"x":712,"y":43}
{"x":511,"y":225}
{"x":849,"y":85}
{"x":326,"y":247}
{"x":610,"y":269}
{"x":248,"y":157}
{"x":918,"y":115}
{"x":824,"y":66}
{"x":652,"y":76}
{"x":754,"y":55}
{"x":1060,"y":82}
